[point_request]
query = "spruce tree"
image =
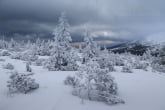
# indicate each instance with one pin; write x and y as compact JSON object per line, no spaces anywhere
{"x":61,"y":58}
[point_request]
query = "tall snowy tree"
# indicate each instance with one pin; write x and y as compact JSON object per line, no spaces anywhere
{"x":61,"y":58}
{"x":147,"y":55}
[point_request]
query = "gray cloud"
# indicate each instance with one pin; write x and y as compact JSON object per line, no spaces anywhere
{"x":120,"y":19}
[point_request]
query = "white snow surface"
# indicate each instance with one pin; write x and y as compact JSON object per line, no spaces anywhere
{"x":140,"y":90}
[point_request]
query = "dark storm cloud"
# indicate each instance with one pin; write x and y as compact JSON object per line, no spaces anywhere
{"x":117,"y":19}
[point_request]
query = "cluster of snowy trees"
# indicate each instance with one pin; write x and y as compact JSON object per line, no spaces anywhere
{"x":162,"y":55}
{"x":93,"y":79}
{"x":94,"y":83}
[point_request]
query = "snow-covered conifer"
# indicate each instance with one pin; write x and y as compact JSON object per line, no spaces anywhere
{"x":105,"y":60}
{"x":61,"y":52}
{"x":91,"y":49}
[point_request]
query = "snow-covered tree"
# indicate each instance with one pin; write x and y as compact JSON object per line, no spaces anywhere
{"x":28,"y":44}
{"x":3,"y":44}
{"x":40,"y":62}
{"x":94,"y":83}
{"x":38,"y":42}
{"x":91,"y":49}
{"x":62,"y":55}
{"x":20,"y":82}
{"x":106,"y":60}
{"x":158,"y":63}
{"x":12,"y":43}
{"x":158,"y":67}
{"x":140,"y":65}
{"x":162,"y":55}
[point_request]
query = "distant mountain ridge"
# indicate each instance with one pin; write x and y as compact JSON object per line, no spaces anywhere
{"x":134,"y":47}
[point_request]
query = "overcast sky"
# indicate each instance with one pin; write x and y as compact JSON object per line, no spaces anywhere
{"x":115,"y":19}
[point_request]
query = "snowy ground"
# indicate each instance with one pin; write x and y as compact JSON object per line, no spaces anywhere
{"x":141,"y":91}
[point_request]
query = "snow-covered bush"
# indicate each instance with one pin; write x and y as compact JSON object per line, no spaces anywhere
{"x":140,"y":65}
{"x":5,"y":53}
{"x":9,"y":66}
{"x":105,"y":60}
{"x":106,"y":63}
{"x":158,"y":67}
{"x":15,"y":56}
{"x":127,"y":69}
{"x":28,"y":57}
{"x":40,"y":62}
{"x":71,"y":80}
{"x":96,"y":84}
{"x":20,"y":82}
{"x":55,"y":64}
{"x":119,"y":62}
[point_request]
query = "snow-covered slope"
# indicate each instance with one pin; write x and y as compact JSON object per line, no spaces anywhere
{"x":140,"y":90}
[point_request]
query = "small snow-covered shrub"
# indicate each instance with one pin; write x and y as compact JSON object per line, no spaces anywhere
{"x":33,"y":58}
{"x":140,"y":65}
{"x":106,"y":63}
{"x":71,"y":80}
{"x":9,"y":66}
{"x":127,"y":69}
{"x":96,"y":84}
{"x":119,"y":62}
{"x":28,"y":57}
{"x":40,"y":62}
{"x":5,"y":53}
{"x":56,"y":64}
{"x":20,"y":82}
{"x":16,"y":56}
{"x":158,"y":67}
